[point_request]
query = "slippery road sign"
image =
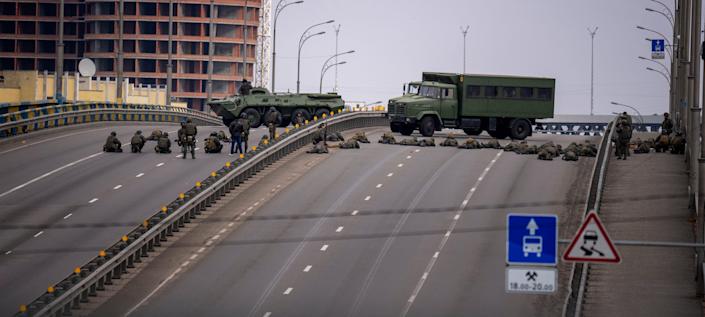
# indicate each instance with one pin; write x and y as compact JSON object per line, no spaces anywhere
{"x":591,"y":243}
{"x":532,"y":239}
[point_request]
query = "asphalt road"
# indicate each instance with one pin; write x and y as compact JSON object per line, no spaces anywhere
{"x":381,"y":231}
{"x":62,"y":199}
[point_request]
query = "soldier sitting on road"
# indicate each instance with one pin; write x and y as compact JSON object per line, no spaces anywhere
{"x":642,"y":146}
{"x":548,"y":153}
{"x":299,"y":119}
{"x":263,"y":139}
{"x":678,"y":144}
{"x":320,"y":135}
{"x":570,"y":156}
{"x":361,"y":137}
{"x":137,"y":142}
{"x":163,"y":144}
{"x":112,"y":144}
{"x":470,"y":144}
{"x":213,"y":144}
{"x":387,"y":138}
{"x":222,"y":137}
{"x":335,"y":137}
{"x":318,"y":148}
{"x":155,"y":135}
{"x":411,"y":141}
{"x":450,"y":141}
{"x":588,"y":149}
{"x":662,"y":142}
{"x":511,"y":147}
{"x":523,"y":148}
{"x":492,"y":144}
{"x":428,"y":142}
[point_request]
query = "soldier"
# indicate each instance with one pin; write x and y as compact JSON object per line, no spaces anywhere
{"x":273,"y":118}
{"x":245,"y":130}
{"x":589,"y":149}
{"x":335,"y":137}
{"x":642,"y":147}
{"x":263,"y":139}
{"x":319,"y":148}
{"x":361,"y":137}
{"x":245,"y":88}
{"x":236,"y":130}
{"x":492,"y":144}
{"x":450,"y":141}
{"x":522,"y":148}
{"x":662,"y":142}
{"x":412,"y":141}
{"x":623,"y":137}
{"x":212,"y":144}
{"x":570,"y":156}
{"x":667,"y":124}
{"x":428,"y":142}
{"x":299,"y":119}
{"x":511,"y":147}
{"x":137,"y":142}
{"x":112,"y":144}
{"x":320,"y":135}
{"x":222,"y":137}
{"x":155,"y":135}
{"x":350,"y":144}
{"x":470,"y":144}
{"x":387,"y":138}
{"x":190,"y":132}
{"x":163,"y":144}
{"x":678,"y":144}
{"x":544,"y":155}
{"x":548,"y":151}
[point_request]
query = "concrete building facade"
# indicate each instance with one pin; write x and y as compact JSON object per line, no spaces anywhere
{"x":28,"y":37}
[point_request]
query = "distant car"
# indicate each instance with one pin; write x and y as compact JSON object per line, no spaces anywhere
{"x":532,"y":244}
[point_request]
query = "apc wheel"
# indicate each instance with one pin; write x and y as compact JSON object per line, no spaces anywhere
{"x":254,"y":117}
{"x":285,"y":122}
{"x":406,"y":130}
{"x":500,"y":133}
{"x":519,"y":129}
{"x":394,"y":127}
{"x":472,"y":132}
{"x":427,"y":126}
{"x":321,"y":111}
{"x":304,"y":113}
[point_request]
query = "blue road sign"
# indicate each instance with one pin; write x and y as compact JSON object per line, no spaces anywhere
{"x":532,"y":239}
{"x":658,"y":45}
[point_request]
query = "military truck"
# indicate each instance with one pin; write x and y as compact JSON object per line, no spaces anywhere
{"x":258,"y":103}
{"x":501,"y":105}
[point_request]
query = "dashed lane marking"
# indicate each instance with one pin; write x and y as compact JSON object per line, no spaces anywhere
{"x":193,"y":257}
{"x":355,"y":212}
{"x":368,"y":198}
{"x":379,"y":185}
{"x":267,"y":314}
{"x":400,"y":165}
{"x":339,"y":229}
{"x":139,"y":175}
{"x":117,"y":187}
{"x":68,"y":216}
{"x":288,"y":291}
{"x":160,"y":164}
{"x":8,"y":252}
{"x":417,"y":150}
{"x":153,"y":292}
{"x":408,"y":157}
{"x":92,"y":200}
{"x":307,"y":268}
{"x":201,"y":250}
{"x":215,"y":237}
{"x":185,"y":263}
{"x":222,"y":231}
{"x":324,"y":247}
{"x":390,"y":174}
{"x":38,"y":234}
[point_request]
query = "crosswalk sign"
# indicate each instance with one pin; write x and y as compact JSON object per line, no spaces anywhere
{"x":591,"y":243}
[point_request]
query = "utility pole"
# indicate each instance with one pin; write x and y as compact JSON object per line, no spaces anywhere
{"x":211,"y":36}
{"x":337,"y":32}
{"x":169,"y":67}
{"x":464,"y":30}
{"x":592,"y":69}
{"x":59,"y":77}
{"x":118,"y":84}
{"x":244,"y":42}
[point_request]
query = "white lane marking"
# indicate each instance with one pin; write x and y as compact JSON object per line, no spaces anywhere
{"x":446,"y":237}
{"x":68,"y":216}
{"x":355,"y":212}
{"x":390,"y":174}
{"x":307,"y":268}
{"x":267,"y":314}
{"x":473,"y":189}
{"x":117,"y":187}
{"x":417,"y":150}
{"x":368,"y":197}
{"x":339,"y":229}
{"x":139,"y":175}
{"x":215,"y":237}
{"x":47,"y":140}
{"x":45,"y":175}
{"x":196,"y":149}
{"x":160,"y":164}
{"x":379,"y":185}
{"x":456,"y":217}
{"x":185,"y":263}
{"x":201,"y":250}
{"x":425,"y":275}
{"x":231,"y":224}
{"x":92,"y":200}
{"x":412,"y":298}
{"x":38,"y":234}
{"x":8,"y":252}
{"x":209,"y":242}
{"x":408,"y":157}
{"x":178,"y":155}
{"x":193,"y":257}
{"x":250,"y":208}
{"x":324,"y":247}
{"x":256,"y":204}
{"x":222,"y":231}
{"x":400,"y":165}
{"x":132,"y":310}
{"x":244,"y":213}
{"x":288,"y":291}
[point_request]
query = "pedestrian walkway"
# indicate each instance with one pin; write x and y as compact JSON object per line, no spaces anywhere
{"x":645,"y":198}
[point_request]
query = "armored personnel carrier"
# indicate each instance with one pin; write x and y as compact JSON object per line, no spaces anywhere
{"x":258,"y":103}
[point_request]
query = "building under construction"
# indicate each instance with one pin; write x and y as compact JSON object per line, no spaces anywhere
{"x":29,"y":38}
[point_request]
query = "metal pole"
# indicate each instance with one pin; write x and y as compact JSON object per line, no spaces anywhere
{"x":665,"y":68}
{"x":337,"y":32}
{"x":211,"y":36}
{"x":302,"y":40}
{"x":244,"y":40}
{"x":118,"y":84}
{"x":323,"y":73}
{"x":277,"y":11}
{"x":464,"y":30}
{"x":59,"y":77}
{"x":169,"y":67}
{"x":668,"y":80}
{"x":592,"y":69}
{"x":325,"y":64}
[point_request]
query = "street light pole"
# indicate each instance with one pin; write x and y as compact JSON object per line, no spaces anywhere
{"x":592,"y":69}
{"x":118,"y":84}
{"x":663,"y":14}
{"x":464,"y":30}
{"x":668,"y":80}
{"x":641,"y":119}
{"x":325,"y":64}
{"x":59,"y":77}
{"x":668,"y":43}
{"x":323,"y":73}
{"x":277,"y":11}
{"x":302,"y":41}
{"x":665,"y":69}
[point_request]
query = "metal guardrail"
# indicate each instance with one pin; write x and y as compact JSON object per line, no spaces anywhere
{"x":86,"y":281}
{"x":579,"y":271}
{"x":61,"y":115}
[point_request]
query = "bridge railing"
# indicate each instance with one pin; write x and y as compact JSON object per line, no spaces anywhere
{"x":578,"y":128}
{"x":69,"y":114}
{"x":579,"y":271}
{"x":83,"y":284}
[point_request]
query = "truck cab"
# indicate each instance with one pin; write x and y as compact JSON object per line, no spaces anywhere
{"x":425,"y":105}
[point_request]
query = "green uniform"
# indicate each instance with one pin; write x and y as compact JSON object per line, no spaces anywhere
{"x":387,"y":138}
{"x":163,"y":144}
{"x":470,"y":144}
{"x":213,"y":145}
{"x":678,"y":144}
{"x":361,"y":137}
{"x":350,"y":144}
{"x":112,"y":144}
{"x":137,"y":142}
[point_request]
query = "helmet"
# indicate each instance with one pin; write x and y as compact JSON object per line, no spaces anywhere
{"x":139,"y":132}
{"x":165,"y":134}
{"x":113,"y":133}
{"x":243,"y":115}
{"x":665,"y":114}
{"x":214,"y":134}
{"x":188,"y":120}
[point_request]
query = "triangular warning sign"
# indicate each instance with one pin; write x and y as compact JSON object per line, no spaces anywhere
{"x":591,"y":243}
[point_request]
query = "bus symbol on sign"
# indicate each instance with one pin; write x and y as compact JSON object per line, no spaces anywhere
{"x":532,"y":239}
{"x":532,"y":244}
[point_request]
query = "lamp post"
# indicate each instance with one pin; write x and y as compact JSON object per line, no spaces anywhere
{"x":336,"y":60}
{"x":670,"y":13}
{"x":663,"y":14}
{"x":280,"y":7}
{"x":59,"y":77}
{"x":337,"y":34}
{"x":304,"y":37}
{"x":464,"y":30}
{"x":662,"y":74}
{"x":592,"y":69}
{"x":323,"y":73}
{"x":641,"y":119}
{"x":668,"y":43}
{"x":665,"y":69}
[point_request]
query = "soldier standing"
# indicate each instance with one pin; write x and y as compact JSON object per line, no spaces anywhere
{"x":245,"y":88}
{"x":190,"y":132}
{"x":245,"y":122}
{"x":273,"y":117}
{"x":667,"y":124}
{"x":236,"y":136}
{"x":623,"y":137}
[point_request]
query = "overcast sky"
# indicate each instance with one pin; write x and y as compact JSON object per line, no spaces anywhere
{"x":396,"y":40}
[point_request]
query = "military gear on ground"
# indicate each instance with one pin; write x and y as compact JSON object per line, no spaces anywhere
{"x":112,"y":144}
{"x":350,"y":144}
{"x":155,"y":135}
{"x":245,"y":88}
{"x":492,"y":144}
{"x":450,"y":141}
{"x":512,"y":146}
{"x":470,"y":144}
{"x":137,"y":142}
{"x":318,"y":148}
{"x":678,"y":144}
{"x":222,"y":137}
{"x":548,"y":151}
{"x":387,"y":138}
{"x":361,"y":137}
{"x":411,"y":141}
{"x":570,"y":156}
{"x":163,"y":144}
{"x":335,"y":137}
{"x":524,"y":148}
{"x":428,"y":142}
{"x":213,"y":144}
{"x":643,"y":146}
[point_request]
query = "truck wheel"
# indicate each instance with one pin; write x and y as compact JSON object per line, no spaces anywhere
{"x":427,"y":126}
{"x":500,"y":133}
{"x":519,"y":129}
{"x":394,"y":127}
{"x":406,"y":130}
{"x":254,"y":117}
{"x":304,"y":113}
{"x":321,"y":111}
{"x":285,"y":122}
{"x":472,"y":132}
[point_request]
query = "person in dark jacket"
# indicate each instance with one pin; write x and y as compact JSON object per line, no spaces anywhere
{"x":236,"y":130}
